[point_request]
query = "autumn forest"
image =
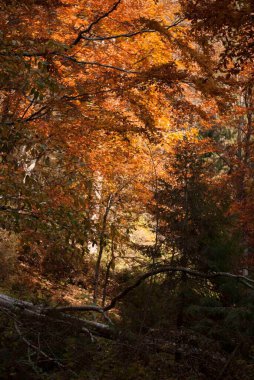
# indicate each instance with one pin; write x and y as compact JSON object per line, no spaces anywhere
{"x":127,"y":189}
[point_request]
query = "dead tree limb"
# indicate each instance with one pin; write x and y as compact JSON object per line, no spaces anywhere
{"x":169,"y":269}
{"x":45,"y":314}
{"x":164,"y":269}
{"x":35,"y":312}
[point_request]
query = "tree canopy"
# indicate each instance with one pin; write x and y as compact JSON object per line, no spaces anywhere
{"x":126,"y":196}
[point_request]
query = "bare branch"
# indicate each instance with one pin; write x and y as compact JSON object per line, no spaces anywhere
{"x":97,"y":309}
{"x":114,"y":37}
{"x":42,"y":353}
{"x":167,"y":269}
{"x":29,"y":310}
{"x":40,"y":113}
{"x":96,"y":21}
{"x":19,"y":211}
{"x":43,"y":111}
{"x":130,"y":34}
{"x":90,"y":63}
{"x":91,"y":308}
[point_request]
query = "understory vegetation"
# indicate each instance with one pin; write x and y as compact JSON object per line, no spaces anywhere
{"x":127,"y":190}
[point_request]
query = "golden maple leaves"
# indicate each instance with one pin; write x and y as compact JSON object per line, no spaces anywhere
{"x":135,"y":71}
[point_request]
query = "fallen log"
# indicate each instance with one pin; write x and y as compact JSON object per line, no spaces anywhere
{"x":29,"y":310}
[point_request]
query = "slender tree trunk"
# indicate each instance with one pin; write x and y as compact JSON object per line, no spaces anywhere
{"x":109,"y":265}
{"x":183,"y":283}
{"x":101,"y":248}
{"x":244,"y":141}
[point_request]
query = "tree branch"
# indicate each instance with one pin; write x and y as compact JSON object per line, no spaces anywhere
{"x":96,"y":21}
{"x":18,"y":211}
{"x":130,"y":34}
{"x":94,"y":63}
{"x":29,"y":310}
{"x":167,"y":269}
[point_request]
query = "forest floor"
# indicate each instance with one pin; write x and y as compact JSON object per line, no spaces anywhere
{"x":162,"y":351}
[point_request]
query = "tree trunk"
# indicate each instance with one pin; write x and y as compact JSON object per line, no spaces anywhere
{"x":101,"y":248}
